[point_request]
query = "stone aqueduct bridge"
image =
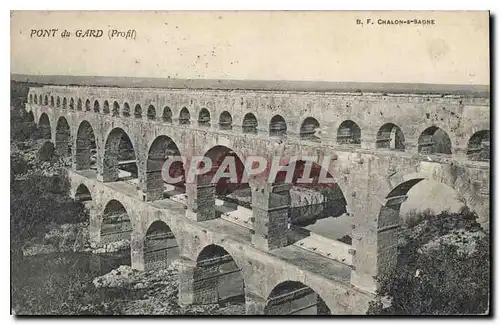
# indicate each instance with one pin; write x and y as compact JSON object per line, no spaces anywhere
{"x":381,"y":143}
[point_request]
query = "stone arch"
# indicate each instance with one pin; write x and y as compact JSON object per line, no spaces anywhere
{"x":119,"y":160}
{"x":44,"y":126}
{"x":225,"y":185}
{"x":64,"y":103}
{"x":295,"y":298}
{"x":478,"y":146}
{"x":58,"y":101}
{"x":308,"y":129}
{"x":226,"y":175}
{"x":126,"y":110}
{"x":314,"y":194}
{"x":138,"y":111}
{"x":349,"y":133}
{"x":151,"y":113}
{"x":79,"y":104}
{"x":250,"y":123}
{"x":390,"y":136}
{"x":204,"y":118}
{"x":434,"y":140}
{"x":63,"y":137}
{"x":160,"y":246}
{"x":389,"y":219}
{"x":71,"y":103}
{"x":277,"y":127}
{"x":167,"y":115}
{"x":52,"y":101}
{"x":216,"y":277}
{"x":82,"y":193}
{"x":225,"y":121}
{"x":116,"y":223}
{"x":46,"y":100}
{"x":116,"y":109}
{"x":35,"y":97}
{"x":87,"y":105}
{"x":162,"y":151}
{"x":86,"y":147}
{"x":97,"y":106}
{"x":184,"y":117}
{"x":105,"y":108}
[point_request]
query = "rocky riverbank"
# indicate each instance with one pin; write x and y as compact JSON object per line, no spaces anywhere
{"x":157,"y":292}
{"x":124,"y":291}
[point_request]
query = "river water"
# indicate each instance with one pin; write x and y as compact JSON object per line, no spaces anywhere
{"x":61,"y":283}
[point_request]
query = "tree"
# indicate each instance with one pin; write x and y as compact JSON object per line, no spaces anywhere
{"x":443,"y":268}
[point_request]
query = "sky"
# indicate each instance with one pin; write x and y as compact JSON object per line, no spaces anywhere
{"x":258,"y":45}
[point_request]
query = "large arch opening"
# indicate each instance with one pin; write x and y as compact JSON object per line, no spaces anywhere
{"x":390,"y":136}
{"x":120,"y":160}
{"x":44,"y":126}
{"x":138,"y":111}
{"x":478,"y":147}
{"x":165,"y":175}
{"x":184,"y":117}
{"x":151,"y":113}
{"x":249,"y":124}
{"x":82,"y":194}
{"x":105,"y":108}
{"x":316,"y":218}
{"x":160,"y":246}
{"x":314,"y":195}
{"x":418,"y":196}
{"x":116,"y":109}
{"x":204,"y":118}
{"x":308,"y":129}
{"x":434,"y":140}
{"x":406,"y":205}
{"x":116,"y":227}
{"x":63,"y":137}
{"x":225,"y":121}
{"x":126,"y":110}
{"x":295,"y":298}
{"x":86,"y":148}
{"x":97,"y":106}
{"x":222,"y":156}
{"x":217,"y":278}
{"x":349,"y":133}
{"x":277,"y":127}
{"x":167,"y":115}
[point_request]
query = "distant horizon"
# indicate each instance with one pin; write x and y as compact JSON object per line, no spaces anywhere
{"x":249,"y":84}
